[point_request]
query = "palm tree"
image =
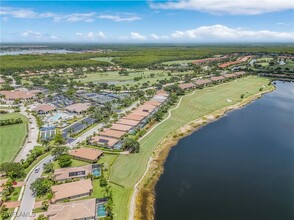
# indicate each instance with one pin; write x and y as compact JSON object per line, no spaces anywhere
{"x":45,"y":143}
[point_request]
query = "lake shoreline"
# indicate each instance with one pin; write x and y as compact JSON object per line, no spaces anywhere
{"x":143,"y":197}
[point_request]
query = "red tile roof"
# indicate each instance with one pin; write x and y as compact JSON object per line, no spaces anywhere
{"x":217,"y":78}
{"x":78,"y":107}
{"x":86,"y":153}
{"x":112,"y":133}
{"x":121,"y":127}
{"x":128,"y":122}
{"x":202,"y":82}
{"x":17,"y":94}
{"x":45,"y":108}
{"x":66,"y":190}
{"x":187,"y":85}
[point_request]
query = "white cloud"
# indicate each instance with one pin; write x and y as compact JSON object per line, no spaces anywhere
{"x":17,"y":13}
{"x":155,"y":36}
{"x":24,"y":13}
{"x":30,"y":14}
{"x":72,"y":17}
{"x":119,"y":18}
{"x":101,"y":34}
{"x":247,"y":7}
{"x":91,"y":35}
{"x":227,"y":34}
{"x":34,"y":35}
{"x":76,"y":17}
{"x":158,"y":37}
{"x":137,"y":36}
{"x":282,"y":23}
{"x":31,"y":34}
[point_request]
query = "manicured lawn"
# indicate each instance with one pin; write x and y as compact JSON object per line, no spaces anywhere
{"x":75,"y":163}
{"x":97,"y":189}
{"x":128,"y":80}
{"x":11,"y":136}
{"x":121,"y":198}
{"x":127,"y":169}
{"x":107,"y":160}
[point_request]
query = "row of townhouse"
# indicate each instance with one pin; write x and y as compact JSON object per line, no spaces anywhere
{"x":200,"y":83}
{"x":138,"y":118}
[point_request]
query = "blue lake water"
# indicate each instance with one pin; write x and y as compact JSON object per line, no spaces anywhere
{"x":240,"y":167}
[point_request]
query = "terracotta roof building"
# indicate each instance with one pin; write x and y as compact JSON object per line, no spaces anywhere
{"x":86,"y":154}
{"x":83,"y":209}
{"x":18,"y":94}
{"x":72,"y":190}
{"x":44,"y":109}
{"x":104,"y":141}
{"x":134,"y":117}
{"x":146,"y":107}
{"x":241,"y":73}
{"x":238,"y":61}
{"x":217,"y":78}
{"x":162,"y":93}
{"x":155,"y":103}
{"x":229,"y":75}
{"x":112,"y":133}
{"x":72,"y":172}
{"x":202,"y":82}
{"x":78,"y":107}
{"x":128,"y":122}
{"x":187,"y":86}
{"x":120,"y":127}
{"x":140,"y":112}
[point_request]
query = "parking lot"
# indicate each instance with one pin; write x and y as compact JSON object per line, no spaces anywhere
{"x":77,"y":127}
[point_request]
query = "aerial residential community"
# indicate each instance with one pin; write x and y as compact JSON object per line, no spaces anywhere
{"x":194,"y":124}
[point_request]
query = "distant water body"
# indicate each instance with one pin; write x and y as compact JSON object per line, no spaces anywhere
{"x":18,"y":52}
{"x":240,"y":167}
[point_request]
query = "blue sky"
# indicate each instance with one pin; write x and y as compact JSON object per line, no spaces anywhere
{"x":184,"y":21}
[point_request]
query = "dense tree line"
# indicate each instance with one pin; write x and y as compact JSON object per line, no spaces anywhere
{"x":130,"y":56}
{"x":11,"y":121}
{"x":20,"y":63}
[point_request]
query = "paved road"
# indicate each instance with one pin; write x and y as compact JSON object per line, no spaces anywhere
{"x":32,"y":139}
{"x":28,"y":200}
{"x":84,"y":136}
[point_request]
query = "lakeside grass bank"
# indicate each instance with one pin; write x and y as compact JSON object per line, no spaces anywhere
{"x":144,"y":195}
{"x":128,"y":169}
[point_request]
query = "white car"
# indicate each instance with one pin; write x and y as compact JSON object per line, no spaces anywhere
{"x":37,"y":169}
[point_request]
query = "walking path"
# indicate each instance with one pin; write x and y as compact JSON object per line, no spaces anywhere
{"x":136,"y":188}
